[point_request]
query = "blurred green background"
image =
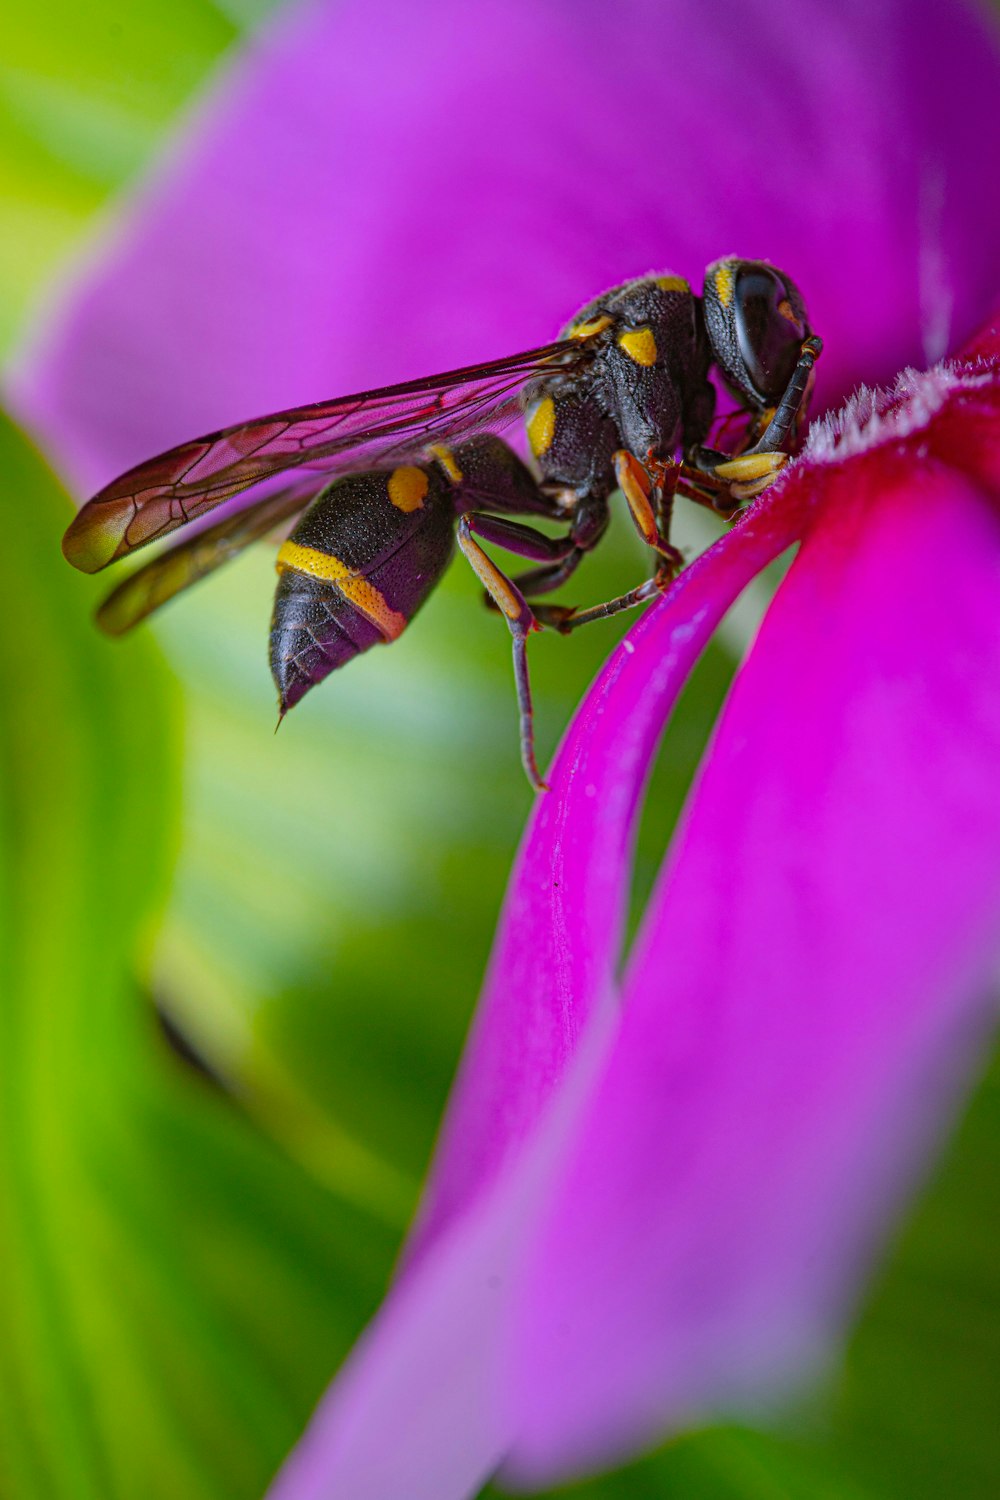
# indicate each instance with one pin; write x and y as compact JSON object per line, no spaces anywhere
{"x":238,"y":967}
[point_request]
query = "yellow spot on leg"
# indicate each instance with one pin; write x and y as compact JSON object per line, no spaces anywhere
{"x":542,"y":426}
{"x":353,"y":585}
{"x":407,"y":487}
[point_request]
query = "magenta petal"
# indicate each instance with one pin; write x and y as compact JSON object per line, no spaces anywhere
{"x":966,"y":430}
{"x":560,"y":935}
{"x":425,"y":1371}
{"x":376,"y":192}
{"x":414,"y":1412}
{"x":810,"y":979}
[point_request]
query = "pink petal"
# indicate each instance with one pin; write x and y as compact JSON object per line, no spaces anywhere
{"x":966,"y":433}
{"x":425,"y":1371}
{"x":415,"y":1412}
{"x":826,"y":1106}
{"x":560,"y":934}
{"x":372,"y":193}
{"x":805,"y":996}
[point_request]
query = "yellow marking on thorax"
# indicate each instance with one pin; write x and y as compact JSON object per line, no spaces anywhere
{"x":672,"y":284}
{"x":353,"y":585}
{"x":407,"y":487}
{"x":589,"y":330}
{"x":724,"y":283}
{"x":446,"y":459}
{"x":639,"y":344}
{"x":541,"y":426}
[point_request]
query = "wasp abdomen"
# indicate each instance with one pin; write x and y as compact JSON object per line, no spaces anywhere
{"x":355,"y":571}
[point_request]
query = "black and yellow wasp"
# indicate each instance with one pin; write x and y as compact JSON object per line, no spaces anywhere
{"x":385,"y":480}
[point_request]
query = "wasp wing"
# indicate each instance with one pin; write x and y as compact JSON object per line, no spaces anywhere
{"x":354,"y":432}
{"x":177,"y":568}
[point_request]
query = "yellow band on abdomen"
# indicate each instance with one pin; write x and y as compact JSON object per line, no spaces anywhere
{"x":353,"y":585}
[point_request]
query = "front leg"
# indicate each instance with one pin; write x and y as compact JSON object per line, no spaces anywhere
{"x":750,"y":472}
{"x":795,"y":400}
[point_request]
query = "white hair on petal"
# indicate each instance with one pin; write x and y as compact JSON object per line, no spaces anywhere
{"x":875,"y":415}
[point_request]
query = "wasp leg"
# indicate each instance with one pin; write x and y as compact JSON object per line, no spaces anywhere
{"x":566,"y":620}
{"x":545,"y":580}
{"x":650,"y":501}
{"x":515,"y":609}
{"x":525,"y":541}
{"x":530,"y":543}
{"x":721,"y":495}
{"x":751,"y":471}
{"x":795,"y":397}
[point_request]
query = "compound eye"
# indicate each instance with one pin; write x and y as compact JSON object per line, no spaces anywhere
{"x":769,"y":328}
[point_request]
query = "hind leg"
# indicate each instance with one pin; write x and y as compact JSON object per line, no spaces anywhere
{"x":508,"y":599}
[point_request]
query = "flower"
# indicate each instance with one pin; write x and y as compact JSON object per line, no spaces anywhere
{"x":659,"y":1211}
{"x":652,"y":1200}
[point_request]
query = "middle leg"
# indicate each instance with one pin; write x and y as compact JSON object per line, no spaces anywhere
{"x":649,"y":494}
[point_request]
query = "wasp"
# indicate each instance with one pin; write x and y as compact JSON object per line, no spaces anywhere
{"x":384,"y":483}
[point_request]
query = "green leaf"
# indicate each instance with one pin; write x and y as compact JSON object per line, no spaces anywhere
{"x":917,"y":1412}
{"x":339,"y":882}
{"x":173,"y":1291}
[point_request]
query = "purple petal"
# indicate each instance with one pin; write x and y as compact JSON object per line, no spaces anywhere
{"x":733,"y":1166}
{"x":373,"y":193}
{"x":807,"y":989}
{"x":560,"y":934}
{"x":416,"y":1410}
{"x":425,"y":1370}
{"x":966,"y":433}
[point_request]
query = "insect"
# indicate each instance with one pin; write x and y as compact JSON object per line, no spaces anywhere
{"x":384,"y":483}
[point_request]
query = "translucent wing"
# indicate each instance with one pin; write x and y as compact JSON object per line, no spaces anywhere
{"x":180,"y":566}
{"x":352,"y":433}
